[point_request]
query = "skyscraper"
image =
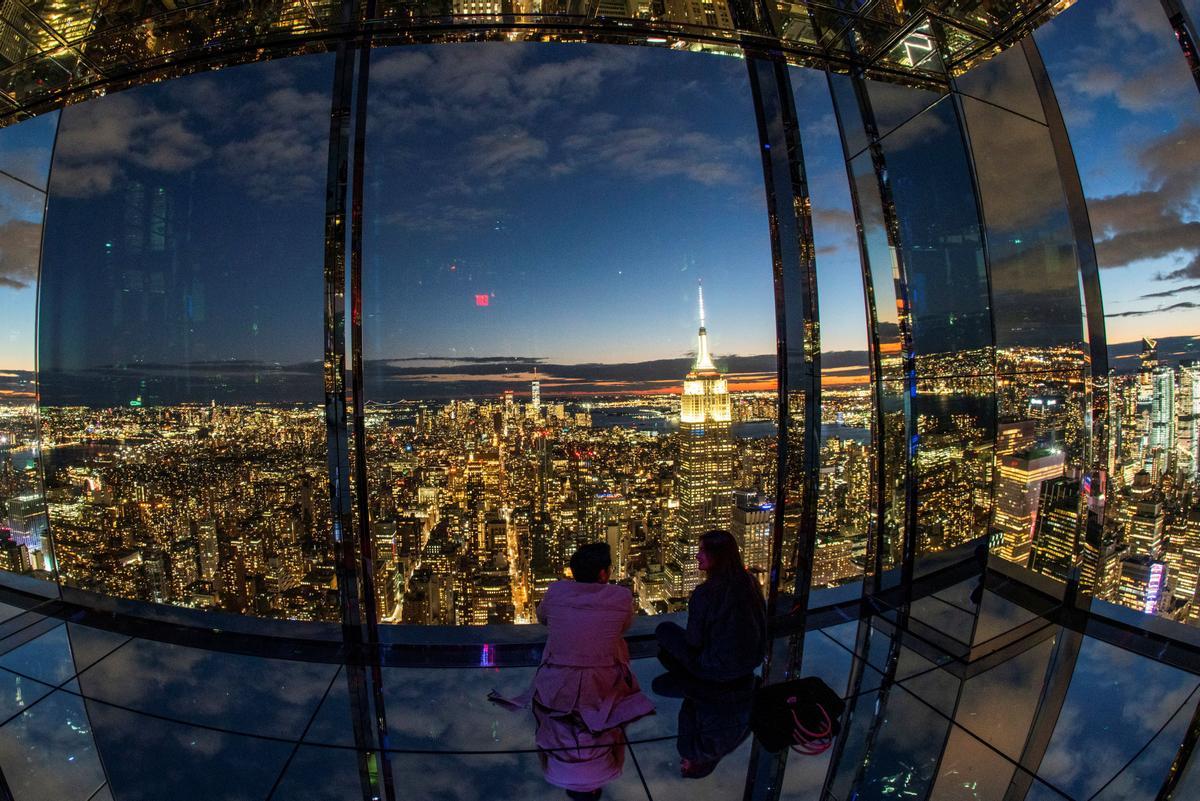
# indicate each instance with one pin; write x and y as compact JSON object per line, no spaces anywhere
{"x":1187,"y":426}
{"x":753,"y":519}
{"x":1162,"y":411}
{"x":704,"y":474}
{"x":1018,"y":491}
{"x":1056,"y":528}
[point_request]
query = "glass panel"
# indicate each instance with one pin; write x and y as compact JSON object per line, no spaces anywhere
{"x":1133,"y":116}
{"x":930,"y":179}
{"x":1035,"y":272}
{"x":846,"y":102}
{"x":1003,"y":80}
{"x":998,"y":615}
{"x":183,"y":762}
{"x":89,"y":645}
{"x":999,"y":704}
{"x":272,"y":697}
{"x":1039,"y":441}
{"x":904,"y":740}
{"x":48,"y":752}
{"x":25,"y":546}
{"x":918,"y":49}
{"x":316,"y":774}
{"x":531,"y":259}
{"x":956,"y":418}
{"x":890,"y":427}
{"x":1142,"y":779}
{"x":894,"y":104}
{"x":843,"y":499}
{"x":969,"y":769}
{"x":47,"y":658}
{"x":25,"y":149}
{"x":416,"y":702}
{"x":18,"y":692}
{"x":795,"y":24}
{"x":509,"y":776}
{"x":805,"y":775}
{"x":1116,"y":703}
{"x":181,"y":342}
{"x":71,"y":21}
{"x":660,"y":765}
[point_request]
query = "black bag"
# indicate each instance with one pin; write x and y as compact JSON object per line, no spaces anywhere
{"x":802,"y":713}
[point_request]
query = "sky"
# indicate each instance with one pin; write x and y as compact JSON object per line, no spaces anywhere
{"x":584,"y":192}
{"x":527,"y":206}
{"x":1133,"y":113}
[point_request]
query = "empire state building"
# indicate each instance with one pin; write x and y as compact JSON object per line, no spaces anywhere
{"x":704,"y":478}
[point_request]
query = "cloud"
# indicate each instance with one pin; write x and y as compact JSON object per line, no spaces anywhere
{"x":20,"y":243}
{"x":1140,"y":53}
{"x":1186,"y":304}
{"x":1170,"y":293}
{"x":500,"y":153}
{"x":270,"y":151}
{"x":1158,"y":219}
{"x":101,"y":136}
{"x":655,"y":149}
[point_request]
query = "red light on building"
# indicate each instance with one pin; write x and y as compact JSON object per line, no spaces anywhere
{"x":481,"y":300}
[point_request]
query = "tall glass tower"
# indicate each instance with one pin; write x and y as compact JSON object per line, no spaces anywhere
{"x":1162,"y":412}
{"x":704,"y":477}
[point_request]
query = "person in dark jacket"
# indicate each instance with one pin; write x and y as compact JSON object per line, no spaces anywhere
{"x":725,"y":639}
{"x":711,"y":663}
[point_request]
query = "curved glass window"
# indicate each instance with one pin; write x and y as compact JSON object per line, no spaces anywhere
{"x":535,"y":246}
{"x":843,"y":496}
{"x":25,"y":544}
{"x":184,"y":440}
{"x":1134,"y":122}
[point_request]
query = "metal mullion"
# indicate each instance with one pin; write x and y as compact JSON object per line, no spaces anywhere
{"x":908,"y":526}
{"x":1059,"y":673}
{"x":1182,"y":760}
{"x":340,"y":491}
{"x":1185,"y":32}
{"x":371,"y":652}
{"x":797,"y":361}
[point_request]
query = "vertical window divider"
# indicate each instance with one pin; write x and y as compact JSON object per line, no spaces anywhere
{"x":798,"y":365}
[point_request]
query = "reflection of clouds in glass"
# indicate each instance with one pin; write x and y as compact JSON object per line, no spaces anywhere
{"x":267,"y":143}
{"x":109,"y":131}
{"x":1116,"y":702}
{"x":20,"y":244}
{"x":522,"y":95}
{"x":262,"y":696}
{"x":48,"y":752}
{"x":148,"y":759}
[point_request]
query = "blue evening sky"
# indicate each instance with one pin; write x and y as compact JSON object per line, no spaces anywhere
{"x":1133,"y":113}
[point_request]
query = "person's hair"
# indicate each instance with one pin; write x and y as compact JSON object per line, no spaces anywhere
{"x":589,"y":560}
{"x":724,"y":558}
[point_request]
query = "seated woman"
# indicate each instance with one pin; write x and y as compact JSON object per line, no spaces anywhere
{"x":726,"y":635}
{"x":711,"y":663}
{"x":584,"y":692}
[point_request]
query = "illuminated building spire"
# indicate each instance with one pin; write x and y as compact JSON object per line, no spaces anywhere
{"x":703,"y":359}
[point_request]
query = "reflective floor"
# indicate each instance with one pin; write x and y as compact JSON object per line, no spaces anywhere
{"x":1026,"y":708}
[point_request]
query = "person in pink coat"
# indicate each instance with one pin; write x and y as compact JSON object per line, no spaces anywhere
{"x":584,"y":693}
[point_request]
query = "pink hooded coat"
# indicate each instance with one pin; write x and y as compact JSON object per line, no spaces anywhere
{"x":584,"y":690}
